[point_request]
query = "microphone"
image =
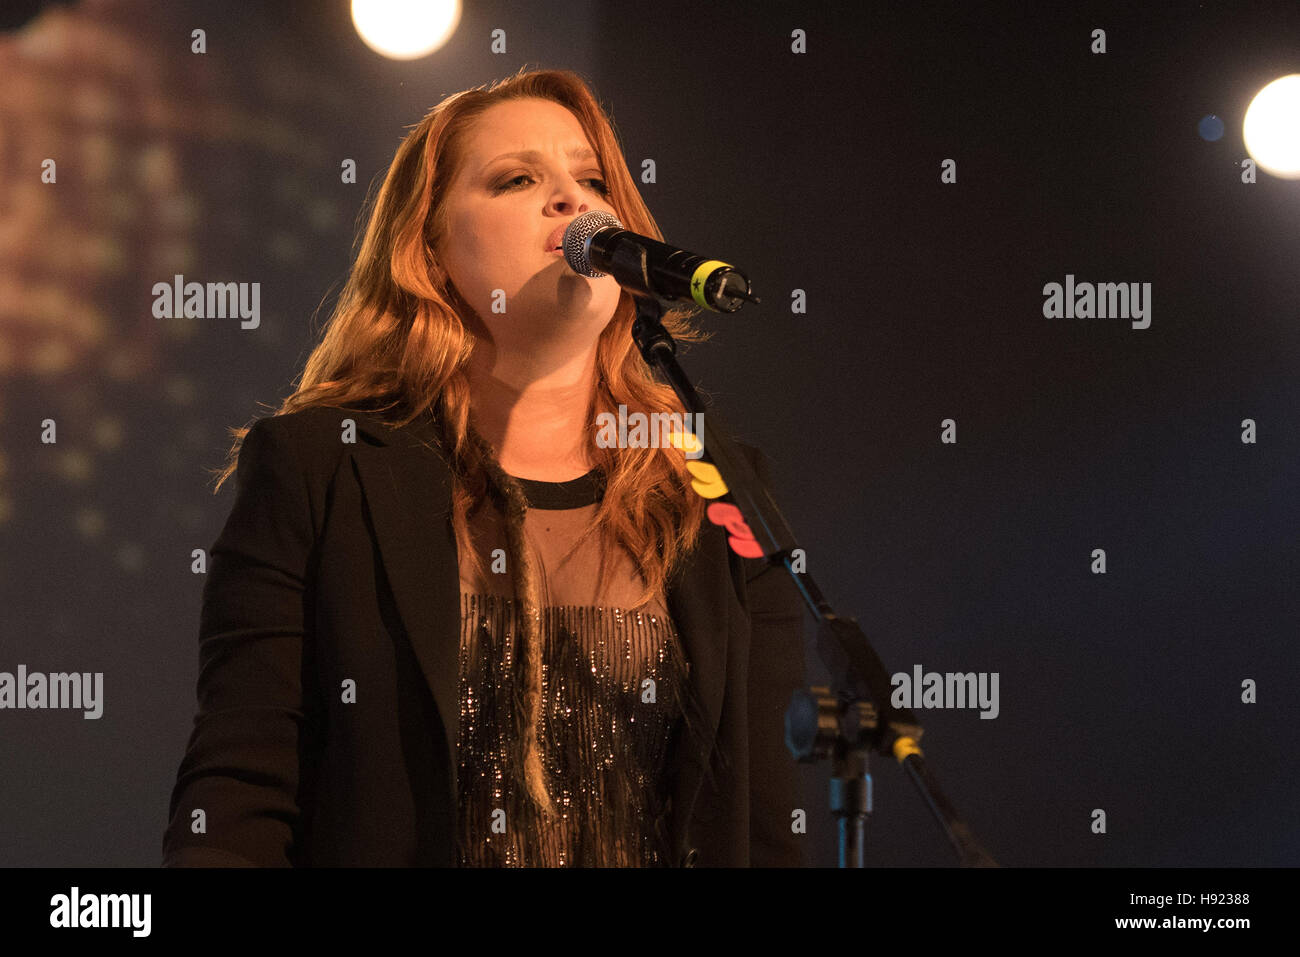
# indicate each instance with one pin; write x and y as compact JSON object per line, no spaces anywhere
{"x":597,"y":241}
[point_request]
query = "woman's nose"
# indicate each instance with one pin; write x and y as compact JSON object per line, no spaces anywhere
{"x":569,"y":198}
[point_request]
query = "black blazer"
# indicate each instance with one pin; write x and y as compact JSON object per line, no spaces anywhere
{"x":338,"y":562}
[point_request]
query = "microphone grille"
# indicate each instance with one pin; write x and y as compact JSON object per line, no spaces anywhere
{"x":576,"y":236}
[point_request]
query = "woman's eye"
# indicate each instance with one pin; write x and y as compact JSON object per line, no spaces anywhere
{"x":599,"y":185}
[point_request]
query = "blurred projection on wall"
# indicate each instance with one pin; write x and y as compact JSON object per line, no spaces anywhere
{"x":128,"y":159}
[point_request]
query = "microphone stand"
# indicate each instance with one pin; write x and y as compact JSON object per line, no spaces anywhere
{"x":853,"y":716}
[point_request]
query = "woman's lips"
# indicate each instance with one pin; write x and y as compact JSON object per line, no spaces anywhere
{"x":556,"y":239}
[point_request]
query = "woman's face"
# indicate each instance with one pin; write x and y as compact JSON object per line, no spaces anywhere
{"x":501,"y":211}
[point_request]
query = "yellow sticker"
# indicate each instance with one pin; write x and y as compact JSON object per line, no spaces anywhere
{"x":905,"y":747}
{"x":707,"y":479}
{"x":702,"y":273}
{"x":686,"y":441}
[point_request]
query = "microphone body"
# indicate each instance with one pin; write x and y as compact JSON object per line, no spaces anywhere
{"x":596,"y":244}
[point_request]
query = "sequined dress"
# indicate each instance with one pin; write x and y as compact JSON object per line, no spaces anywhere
{"x":612,"y":688}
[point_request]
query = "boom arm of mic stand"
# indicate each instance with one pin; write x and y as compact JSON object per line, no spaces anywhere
{"x":856,"y":670}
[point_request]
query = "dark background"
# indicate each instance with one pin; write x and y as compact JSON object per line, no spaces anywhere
{"x":818,"y":172}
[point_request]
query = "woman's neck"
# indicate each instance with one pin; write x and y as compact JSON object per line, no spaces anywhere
{"x":535,"y":419}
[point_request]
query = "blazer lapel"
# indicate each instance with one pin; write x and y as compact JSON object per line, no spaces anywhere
{"x":407,"y":488}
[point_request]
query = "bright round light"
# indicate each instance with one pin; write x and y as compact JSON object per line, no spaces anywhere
{"x":405,"y":29}
{"x":1272,"y":127}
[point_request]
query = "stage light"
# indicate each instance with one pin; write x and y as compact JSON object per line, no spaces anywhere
{"x":405,"y":29}
{"x":1271,"y":129}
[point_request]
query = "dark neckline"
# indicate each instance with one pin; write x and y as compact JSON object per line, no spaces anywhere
{"x":576,"y":493}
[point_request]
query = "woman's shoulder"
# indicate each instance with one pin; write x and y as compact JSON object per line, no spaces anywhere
{"x":758,"y":460}
{"x":313,"y":440}
{"x":324,"y":428}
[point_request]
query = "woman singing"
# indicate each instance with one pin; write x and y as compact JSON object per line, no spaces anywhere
{"x":442,"y":624}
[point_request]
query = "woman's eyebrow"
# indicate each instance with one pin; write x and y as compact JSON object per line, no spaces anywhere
{"x":577,"y":153}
